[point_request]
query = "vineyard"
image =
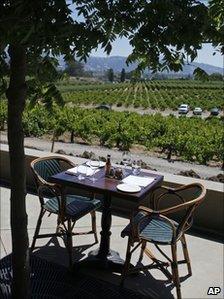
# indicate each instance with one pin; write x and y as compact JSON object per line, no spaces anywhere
{"x":161,"y":94}
{"x":191,"y":139}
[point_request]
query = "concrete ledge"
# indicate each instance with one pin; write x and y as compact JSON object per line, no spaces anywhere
{"x":208,"y":217}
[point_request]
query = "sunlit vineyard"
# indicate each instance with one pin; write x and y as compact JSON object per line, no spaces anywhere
{"x":161,"y":94}
{"x":190,"y":139}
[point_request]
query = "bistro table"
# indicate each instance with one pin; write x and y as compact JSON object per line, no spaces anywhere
{"x":104,"y":257}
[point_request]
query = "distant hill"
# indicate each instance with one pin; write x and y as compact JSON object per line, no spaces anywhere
{"x":101,"y":64}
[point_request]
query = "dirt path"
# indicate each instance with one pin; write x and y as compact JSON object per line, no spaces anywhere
{"x":149,"y":111}
{"x":159,"y":164}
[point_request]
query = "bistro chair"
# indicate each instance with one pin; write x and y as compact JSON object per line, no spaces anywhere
{"x":68,"y":207}
{"x":153,"y":226}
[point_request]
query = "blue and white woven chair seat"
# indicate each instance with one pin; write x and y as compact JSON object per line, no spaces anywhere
{"x":152,"y":229}
{"x":76,"y":206}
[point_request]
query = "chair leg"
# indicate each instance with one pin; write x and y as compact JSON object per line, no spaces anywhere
{"x":93,"y":217}
{"x":69,"y":242}
{"x":175,"y":272}
{"x":127,"y":263}
{"x":186,"y":255}
{"x":36,"y":233}
{"x":58,"y":228}
{"x":142,"y":251}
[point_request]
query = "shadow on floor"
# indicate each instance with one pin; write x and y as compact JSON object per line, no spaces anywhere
{"x":144,"y":284}
{"x":50,"y":280}
{"x":54,"y":252}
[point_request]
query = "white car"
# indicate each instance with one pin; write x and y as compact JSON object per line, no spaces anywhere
{"x":197,"y":111}
{"x":183,"y":109}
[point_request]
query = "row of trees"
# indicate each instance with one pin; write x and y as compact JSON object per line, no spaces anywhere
{"x":75,"y":68}
{"x":111,"y":75}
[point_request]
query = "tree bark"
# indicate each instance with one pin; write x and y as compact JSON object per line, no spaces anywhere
{"x":53,"y":141}
{"x":16,"y":94}
{"x":72,"y":136}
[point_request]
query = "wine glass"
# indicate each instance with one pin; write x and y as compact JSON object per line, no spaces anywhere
{"x":126,"y":160}
{"x":82,"y":171}
{"x":136,"y":166}
{"x":94,"y":165}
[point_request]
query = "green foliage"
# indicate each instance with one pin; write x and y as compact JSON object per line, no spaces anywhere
{"x":74,"y":68}
{"x":216,"y":77}
{"x":161,"y":94}
{"x":216,"y":13}
{"x":192,"y":139}
{"x":200,"y":74}
{"x":35,"y":121}
{"x":3,"y":113}
{"x":123,"y":75}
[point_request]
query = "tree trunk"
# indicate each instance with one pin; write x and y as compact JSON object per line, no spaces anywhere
{"x":53,"y":141}
{"x":169,"y":155}
{"x":72,"y":136}
{"x":16,"y":95}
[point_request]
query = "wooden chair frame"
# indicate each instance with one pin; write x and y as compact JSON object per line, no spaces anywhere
{"x":177,"y":233}
{"x":55,"y":190}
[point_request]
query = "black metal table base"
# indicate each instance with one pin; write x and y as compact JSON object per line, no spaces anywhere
{"x":112,"y":262}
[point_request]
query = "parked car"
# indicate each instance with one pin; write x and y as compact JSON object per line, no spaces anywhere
{"x":214,"y":111}
{"x":104,"y":107}
{"x":197,"y":111}
{"x":183,"y":109}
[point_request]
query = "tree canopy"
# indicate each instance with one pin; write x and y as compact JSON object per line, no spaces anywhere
{"x":110,"y":75}
{"x":123,"y":75}
{"x":74,"y":68}
{"x":162,"y":33}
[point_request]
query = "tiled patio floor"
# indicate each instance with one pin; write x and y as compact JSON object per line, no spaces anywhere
{"x":206,"y":255}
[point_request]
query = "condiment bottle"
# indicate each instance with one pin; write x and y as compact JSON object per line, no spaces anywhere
{"x":107,"y":166}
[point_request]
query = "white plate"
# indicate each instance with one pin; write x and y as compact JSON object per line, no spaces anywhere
{"x":96,"y":164}
{"x":128,"y":188}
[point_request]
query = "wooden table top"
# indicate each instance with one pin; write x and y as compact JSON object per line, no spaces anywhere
{"x":105,"y":185}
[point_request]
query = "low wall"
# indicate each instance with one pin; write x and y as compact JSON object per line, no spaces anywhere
{"x":208,"y":217}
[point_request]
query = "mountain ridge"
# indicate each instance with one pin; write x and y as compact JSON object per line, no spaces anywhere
{"x":98,"y":64}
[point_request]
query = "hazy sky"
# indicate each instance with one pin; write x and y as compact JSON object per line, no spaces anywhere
{"x":121,"y":47}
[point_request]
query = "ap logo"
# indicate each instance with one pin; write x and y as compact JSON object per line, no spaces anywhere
{"x":214,"y":290}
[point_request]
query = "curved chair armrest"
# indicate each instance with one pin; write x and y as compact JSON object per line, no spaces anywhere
{"x":175,"y":192}
{"x":38,"y":178}
{"x":54,"y":190}
{"x":183,"y":187}
{"x":154,"y":201}
{"x":164,"y":211}
{"x":147,"y":210}
{"x":176,"y":208}
{"x":184,"y":205}
{"x":165,"y":188}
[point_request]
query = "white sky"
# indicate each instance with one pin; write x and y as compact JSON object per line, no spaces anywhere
{"x":121,"y":47}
